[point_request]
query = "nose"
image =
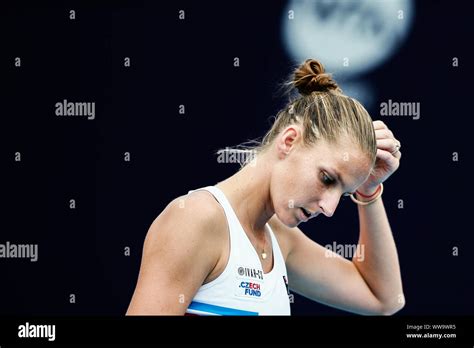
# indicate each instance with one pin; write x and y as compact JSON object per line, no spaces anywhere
{"x":329,"y":204}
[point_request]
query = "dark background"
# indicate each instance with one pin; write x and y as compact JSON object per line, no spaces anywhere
{"x":81,"y":251}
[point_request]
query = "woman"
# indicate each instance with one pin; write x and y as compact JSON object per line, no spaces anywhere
{"x":235,"y":248}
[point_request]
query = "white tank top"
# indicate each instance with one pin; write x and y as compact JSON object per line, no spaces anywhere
{"x":242,"y":288}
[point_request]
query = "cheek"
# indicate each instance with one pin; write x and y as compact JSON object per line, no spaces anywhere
{"x":282,"y":181}
{"x":283,"y":202}
{"x":292,"y":185}
{"x":286,"y":203}
{"x":319,"y":188}
{"x":291,"y":190}
{"x":309,"y":188}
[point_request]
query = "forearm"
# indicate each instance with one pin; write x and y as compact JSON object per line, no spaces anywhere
{"x":379,"y":267}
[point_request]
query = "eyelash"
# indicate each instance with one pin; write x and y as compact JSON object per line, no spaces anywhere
{"x":327,"y":180}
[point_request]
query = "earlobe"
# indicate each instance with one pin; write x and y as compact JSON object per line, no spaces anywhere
{"x":281,"y":149}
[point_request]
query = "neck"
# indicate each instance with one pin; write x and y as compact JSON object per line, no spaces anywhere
{"x":248,"y":191}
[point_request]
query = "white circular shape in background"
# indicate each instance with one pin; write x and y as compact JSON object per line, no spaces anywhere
{"x":362,"y":33}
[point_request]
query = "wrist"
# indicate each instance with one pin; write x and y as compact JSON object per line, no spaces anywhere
{"x":368,"y":192}
{"x":363,"y":199}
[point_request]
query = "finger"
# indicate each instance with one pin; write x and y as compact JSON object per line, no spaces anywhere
{"x":387,"y":156}
{"x":390,"y":145}
{"x":379,"y":125}
{"x":384,"y":133}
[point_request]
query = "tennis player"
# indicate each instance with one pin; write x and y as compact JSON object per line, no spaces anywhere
{"x":235,"y":248}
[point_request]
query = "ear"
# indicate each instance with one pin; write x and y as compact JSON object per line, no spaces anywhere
{"x":287,"y":140}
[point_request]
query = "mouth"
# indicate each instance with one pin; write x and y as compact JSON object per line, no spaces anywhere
{"x":306,"y":213}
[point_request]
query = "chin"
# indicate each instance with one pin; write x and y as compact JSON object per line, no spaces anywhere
{"x":295,"y":224}
{"x":288,"y":219}
{"x":292,"y":225}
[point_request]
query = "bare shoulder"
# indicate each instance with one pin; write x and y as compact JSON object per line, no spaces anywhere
{"x":197,"y":213}
{"x":181,"y":249}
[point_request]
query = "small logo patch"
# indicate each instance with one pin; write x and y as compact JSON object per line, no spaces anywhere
{"x":250,"y":272}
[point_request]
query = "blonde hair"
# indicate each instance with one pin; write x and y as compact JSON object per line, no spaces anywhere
{"x":323,"y":111}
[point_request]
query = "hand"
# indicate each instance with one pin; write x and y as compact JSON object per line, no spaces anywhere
{"x":387,"y":159}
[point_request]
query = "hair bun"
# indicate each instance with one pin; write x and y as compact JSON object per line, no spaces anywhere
{"x":310,"y":77}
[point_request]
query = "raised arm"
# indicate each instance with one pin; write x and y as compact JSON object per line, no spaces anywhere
{"x":324,"y":276}
{"x":371,"y":285}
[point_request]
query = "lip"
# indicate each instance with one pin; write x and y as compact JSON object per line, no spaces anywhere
{"x":302,"y":216}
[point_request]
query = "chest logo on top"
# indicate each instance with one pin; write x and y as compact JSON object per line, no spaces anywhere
{"x":250,"y":272}
{"x":251,"y":289}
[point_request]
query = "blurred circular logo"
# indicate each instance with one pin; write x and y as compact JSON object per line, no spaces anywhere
{"x":349,"y":37}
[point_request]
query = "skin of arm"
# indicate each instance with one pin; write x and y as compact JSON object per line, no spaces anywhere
{"x":369,"y":287}
{"x":380,"y":267}
{"x":177,"y":257}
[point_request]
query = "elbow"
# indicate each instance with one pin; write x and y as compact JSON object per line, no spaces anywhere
{"x":392,"y":308}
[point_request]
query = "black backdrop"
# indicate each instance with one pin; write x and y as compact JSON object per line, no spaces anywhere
{"x":82,"y":250}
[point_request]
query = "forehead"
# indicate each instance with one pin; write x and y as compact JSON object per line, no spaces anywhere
{"x":343,"y":156}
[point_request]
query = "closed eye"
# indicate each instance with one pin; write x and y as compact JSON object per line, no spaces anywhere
{"x":328,"y":181}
